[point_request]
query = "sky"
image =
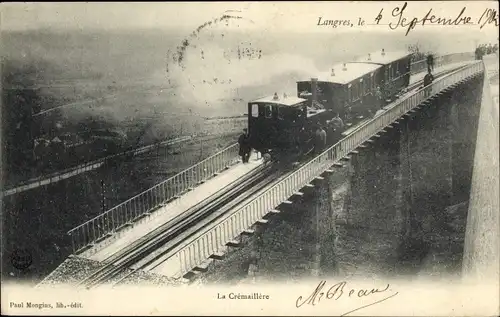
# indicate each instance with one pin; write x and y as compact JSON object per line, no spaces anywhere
{"x":265,"y":16}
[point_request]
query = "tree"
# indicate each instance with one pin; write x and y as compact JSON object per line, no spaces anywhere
{"x":416,"y":50}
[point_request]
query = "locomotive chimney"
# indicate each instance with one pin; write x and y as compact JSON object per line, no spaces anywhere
{"x":314,"y":92}
{"x":369,"y":56}
{"x":344,"y":67}
{"x":383,"y":52}
{"x":275,"y":97}
{"x":333,"y":72}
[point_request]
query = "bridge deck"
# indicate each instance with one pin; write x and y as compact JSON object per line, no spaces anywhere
{"x":420,"y":76}
{"x":104,"y":249}
{"x":123,"y":237}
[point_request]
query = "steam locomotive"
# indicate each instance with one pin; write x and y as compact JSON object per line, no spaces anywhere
{"x":354,"y":90}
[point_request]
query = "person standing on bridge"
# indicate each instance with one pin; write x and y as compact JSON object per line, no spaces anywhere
{"x":336,"y":128}
{"x":489,"y":49}
{"x":379,"y":98}
{"x":430,"y":63}
{"x":477,"y":53}
{"x":319,"y":140}
{"x":245,"y":149}
{"x":428,"y":79}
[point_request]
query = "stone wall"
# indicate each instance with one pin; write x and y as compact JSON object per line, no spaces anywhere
{"x":481,"y":258}
{"x":383,"y":212}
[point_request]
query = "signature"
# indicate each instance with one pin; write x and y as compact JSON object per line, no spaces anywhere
{"x":488,"y":17}
{"x":338,"y":290}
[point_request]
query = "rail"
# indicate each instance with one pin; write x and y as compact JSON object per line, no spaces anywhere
{"x":215,"y":238}
{"x":147,"y":201}
{"x":421,"y":65}
{"x":72,"y":171}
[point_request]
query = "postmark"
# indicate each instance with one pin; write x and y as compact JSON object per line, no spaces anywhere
{"x":21,"y":259}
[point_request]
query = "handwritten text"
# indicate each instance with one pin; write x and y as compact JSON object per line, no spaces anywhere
{"x":400,"y":19}
{"x":341,"y":290}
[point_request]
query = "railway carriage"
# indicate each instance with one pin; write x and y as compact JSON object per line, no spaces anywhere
{"x":348,"y":89}
{"x":355,"y":90}
{"x":396,"y":70}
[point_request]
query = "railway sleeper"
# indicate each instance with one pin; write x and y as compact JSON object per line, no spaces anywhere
{"x":246,"y":236}
{"x":218,"y":256}
{"x":304,"y":190}
{"x":191,"y":276}
{"x":274,"y":211}
{"x":234,"y":243}
{"x":262,"y":222}
{"x":323,"y":175}
{"x":203,"y":267}
{"x":319,"y":179}
{"x":248,"y":232}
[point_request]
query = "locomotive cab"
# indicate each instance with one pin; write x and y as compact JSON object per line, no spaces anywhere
{"x":273,"y":122}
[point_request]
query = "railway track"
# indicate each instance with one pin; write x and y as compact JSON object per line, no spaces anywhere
{"x":409,"y":90}
{"x":123,"y":259}
{"x":436,"y":76}
{"x":161,"y":244}
{"x":157,"y":259}
{"x":162,"y":255}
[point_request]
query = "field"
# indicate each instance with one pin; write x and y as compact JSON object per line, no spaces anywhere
{"x":129,"y":82}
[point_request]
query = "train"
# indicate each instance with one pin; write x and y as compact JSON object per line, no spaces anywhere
{"x":352,"y":90}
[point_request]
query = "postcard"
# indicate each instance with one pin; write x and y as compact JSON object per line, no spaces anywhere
{"x":250,"y":158}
